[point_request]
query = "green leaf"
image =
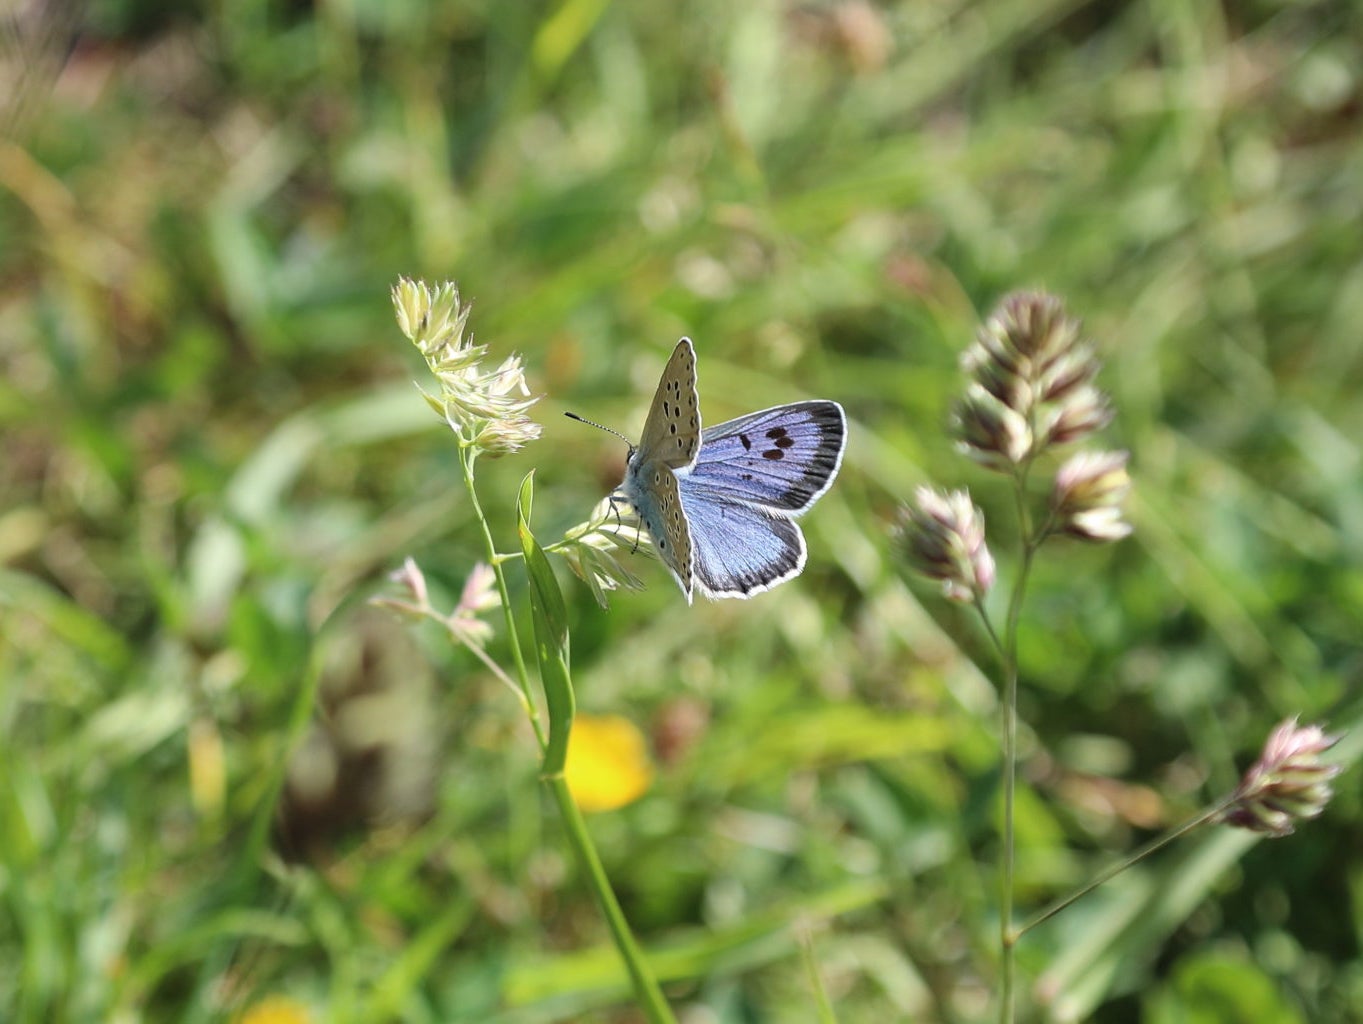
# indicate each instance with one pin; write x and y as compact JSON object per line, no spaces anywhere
{"x":551,"y":634}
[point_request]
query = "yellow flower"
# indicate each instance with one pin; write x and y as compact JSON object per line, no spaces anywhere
{"x":608,"y":765}
{"x":207,"y":768}
{"x":276,"y":1010}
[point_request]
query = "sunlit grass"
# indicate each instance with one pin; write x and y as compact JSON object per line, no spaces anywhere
{"x":214,"y":455}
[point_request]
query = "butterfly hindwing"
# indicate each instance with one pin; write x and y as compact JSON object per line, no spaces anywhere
{"x":672,"y":430}
{"x":781,"y":459}
{"x":652,"y":488}
{"x":740,"y":550}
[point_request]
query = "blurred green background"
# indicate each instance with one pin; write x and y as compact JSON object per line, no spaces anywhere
{"x":213,"y":454}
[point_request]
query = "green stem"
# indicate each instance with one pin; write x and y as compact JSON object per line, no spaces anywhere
{"x":466,"y":457}
{"x":646,"y":989}
{"x":1116,"y":869}
{"x":1008,"y":937}
{"x":491,"y":666}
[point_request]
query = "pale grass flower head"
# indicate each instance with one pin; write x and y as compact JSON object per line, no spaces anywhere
{"x":480,"y":591}
{"x":991,"y":432}
{"x":479,"y":595}
{"x":591,"y":548}
{"x":433,"y":319}
{"x":413,"y":581}
{"x":1031,"y":384}
{"x":1087,"y":496}
{"x":485,"y":409}
{"x":1288,"y":783}
{"x":942,"y":536}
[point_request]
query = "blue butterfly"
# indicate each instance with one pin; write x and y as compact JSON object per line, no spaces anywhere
{"x":720,"y":504}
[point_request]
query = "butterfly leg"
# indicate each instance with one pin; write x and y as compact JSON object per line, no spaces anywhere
{"x":620,"y":523}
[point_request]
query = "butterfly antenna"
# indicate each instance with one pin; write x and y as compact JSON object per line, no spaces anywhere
{"x":598,"y":426}
{"x":619,"y":523}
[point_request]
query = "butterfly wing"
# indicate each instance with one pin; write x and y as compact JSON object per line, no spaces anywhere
{"x":718,"y":503}
{"x":672,"y":430}
{"x":670,"y":442}
{"x":654,"y":491}
{"x":781,"y":459}
{"x":739,"y":549}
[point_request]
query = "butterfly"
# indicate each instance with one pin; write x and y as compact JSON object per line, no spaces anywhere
{"x":720,"y":503}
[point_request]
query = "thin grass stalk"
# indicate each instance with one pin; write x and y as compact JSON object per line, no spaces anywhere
{"x":466,"y":457}
{"x":1208,"y":815}
{"x":1007,"y":872}
{"x":646,"y":990}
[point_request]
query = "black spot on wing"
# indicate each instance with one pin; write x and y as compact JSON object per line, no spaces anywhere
{"x":801,"y":452}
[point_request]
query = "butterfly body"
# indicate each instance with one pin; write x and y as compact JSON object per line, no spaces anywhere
{"x":719,"y":503}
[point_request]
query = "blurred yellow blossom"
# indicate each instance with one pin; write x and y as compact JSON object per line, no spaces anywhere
{"x":207,"y":768}
{"x":608,"y":764}
{"x":276,"y":1010}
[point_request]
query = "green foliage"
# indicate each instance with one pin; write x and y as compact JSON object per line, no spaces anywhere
{"x":551,"y":635}
{"x":223,"y":776}
{"x":1218,"y":988}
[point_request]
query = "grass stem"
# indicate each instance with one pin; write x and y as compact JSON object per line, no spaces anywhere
{"x":1116,"y":869}
{"x":466,"y":457}
{"x":646,"y":990}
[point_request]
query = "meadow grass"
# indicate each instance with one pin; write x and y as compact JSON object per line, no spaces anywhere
{"x":225,"y":777}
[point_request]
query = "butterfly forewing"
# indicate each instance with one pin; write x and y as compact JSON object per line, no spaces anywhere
{"x":781,"y":459}
{"x":672,"y":430}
